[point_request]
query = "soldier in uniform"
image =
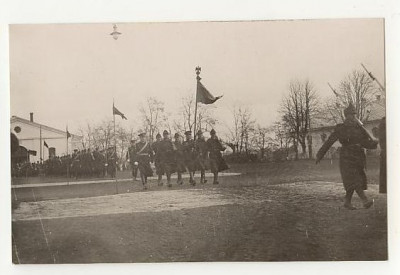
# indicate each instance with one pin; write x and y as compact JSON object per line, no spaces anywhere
{"x":201,"y":155}
{"x":217,"y":163}
{"x":179,"y":158}
{"x":99,"y":161}
{"x":144,"y":154}
{"x":111,"y":162}
{"x":157,"y":164}
{"x":167,"y":150}
{"x":131,"y":157}
{"x":354,"y":138}
{"x":190,"y":156}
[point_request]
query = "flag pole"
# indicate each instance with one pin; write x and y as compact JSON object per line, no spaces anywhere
{"x":115,"y":148}
{"x":198,"y":78}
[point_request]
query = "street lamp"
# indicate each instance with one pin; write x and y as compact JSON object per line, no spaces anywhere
{"x":115,"y":33}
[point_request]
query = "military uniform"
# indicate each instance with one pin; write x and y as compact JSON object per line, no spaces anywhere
{"x":167,"y":156}
{"x":179,"y":158}
{"x":189,"y":153}
{"x":144,"y":155}
{"x":157,"y":164}
{"x":201,"y":150}
{"x":131,"y":156}
{"x":354,"y":139}
{"x":217,"y":162}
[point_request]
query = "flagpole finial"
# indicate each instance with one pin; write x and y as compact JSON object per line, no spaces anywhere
{"x":198,"y":70}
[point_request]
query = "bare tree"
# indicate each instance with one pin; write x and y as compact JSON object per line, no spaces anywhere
{"x":297,"y":109}
{"x":185,"y":120}
{"x":261,"y":139}
{"x":357,"y":88}
{"x":241,"y":130}
{"x":153,"y":116}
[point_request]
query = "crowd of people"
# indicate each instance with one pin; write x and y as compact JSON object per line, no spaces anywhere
{"x":169,"y":156}
{"x":178,"y":156}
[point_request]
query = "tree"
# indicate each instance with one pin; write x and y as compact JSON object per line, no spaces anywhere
{"x":185,"y":121}
{"x":357,"y":88}
{"x":241,"y":130}
{"x":153,"y":116}
{"x":261,"y":139}
{"x":297,"y":109}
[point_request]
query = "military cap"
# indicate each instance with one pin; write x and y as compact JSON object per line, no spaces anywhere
{"x":158,"y":135}
{"x":176,"y":135}
{"x":142,"y":134}
{"x":188,"y":133}
{"x":212,"y":132}
{"x":165,"y":132}
{"x":350,"y":110}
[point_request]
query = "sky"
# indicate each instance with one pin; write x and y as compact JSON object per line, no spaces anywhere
{"x":70,"y":73}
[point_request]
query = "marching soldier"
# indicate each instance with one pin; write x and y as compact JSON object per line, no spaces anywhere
{"x":131,"y":157}
{"x":179,"y":157}
{"x":167,"y":156}
{"x":354,"y":138}
{"x":201,"y":155}
{"x":217,"y":163}
{"x":144,"y":155}
{"x":190,"y":156}
{"x":157,"y":164}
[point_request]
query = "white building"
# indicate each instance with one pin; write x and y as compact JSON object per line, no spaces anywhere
{"x":33,"y":137}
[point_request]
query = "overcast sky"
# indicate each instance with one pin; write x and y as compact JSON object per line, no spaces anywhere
{"x":70,"y":73}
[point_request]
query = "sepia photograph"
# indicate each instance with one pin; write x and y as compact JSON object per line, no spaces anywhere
{"x":206,"y":141}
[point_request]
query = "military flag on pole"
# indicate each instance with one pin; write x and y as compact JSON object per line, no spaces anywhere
{"x":204,"y":96}
{"x":117,"y":112}
{"x":45,"y":144}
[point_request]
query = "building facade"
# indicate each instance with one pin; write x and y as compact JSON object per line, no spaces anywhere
{"x":34,"y":137}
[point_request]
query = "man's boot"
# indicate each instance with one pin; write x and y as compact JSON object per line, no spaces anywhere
{"x":347,"y":200}
{"x":366,"y":203}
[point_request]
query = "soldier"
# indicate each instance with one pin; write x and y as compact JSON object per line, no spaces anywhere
{"x":75,"y":165}
{"x":144,"y":154}
{"x":157,"y":164}
{"x":201,"y":155}
{"x":131,"y":157}
{"x":217,"y":163}
{"x":112,"y":162}
{"x":354,"y":138}
{"x":179,"y":158}
{"x":190,"y":156}
{"x":99,"y":161}
{"x":167,"y":150}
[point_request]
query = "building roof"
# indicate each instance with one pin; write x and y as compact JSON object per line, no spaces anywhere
{"x":44,"y":127}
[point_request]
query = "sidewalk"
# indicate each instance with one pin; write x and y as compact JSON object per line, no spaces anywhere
{"x":49,"y":184}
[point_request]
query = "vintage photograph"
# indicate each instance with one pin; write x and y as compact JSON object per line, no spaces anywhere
{"x":234,"y":141}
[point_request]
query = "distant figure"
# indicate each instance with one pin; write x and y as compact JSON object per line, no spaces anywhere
{"x":167,"y":156}
{"x":179,"y":158}
{"x":382,"y":144}
{"x":190,"y":156}
{"x":354,"y":138}
{"x":157,"y":164}
{"x":201,"y":156}
{"x":144,"y":155}
{"x":217,"y":163}
{"x":131,"y":157}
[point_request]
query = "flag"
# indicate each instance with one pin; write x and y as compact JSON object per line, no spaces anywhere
{"x":117,"y":112}
{"x":204,"y":96}
{"x":68,"y":134}
{"x":45,"y":144}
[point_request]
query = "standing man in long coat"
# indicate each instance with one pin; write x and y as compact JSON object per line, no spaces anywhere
{"x":131,"y":157}
{"x":179,"y":157}
{"x":354,"y":138}
{"x":217,"y":162}
{"x":144,"y":154}
{"x":190,"y":156}
{"x":157,"y":164}
{"x":201,"y":156}
{"x":167,"y":156}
